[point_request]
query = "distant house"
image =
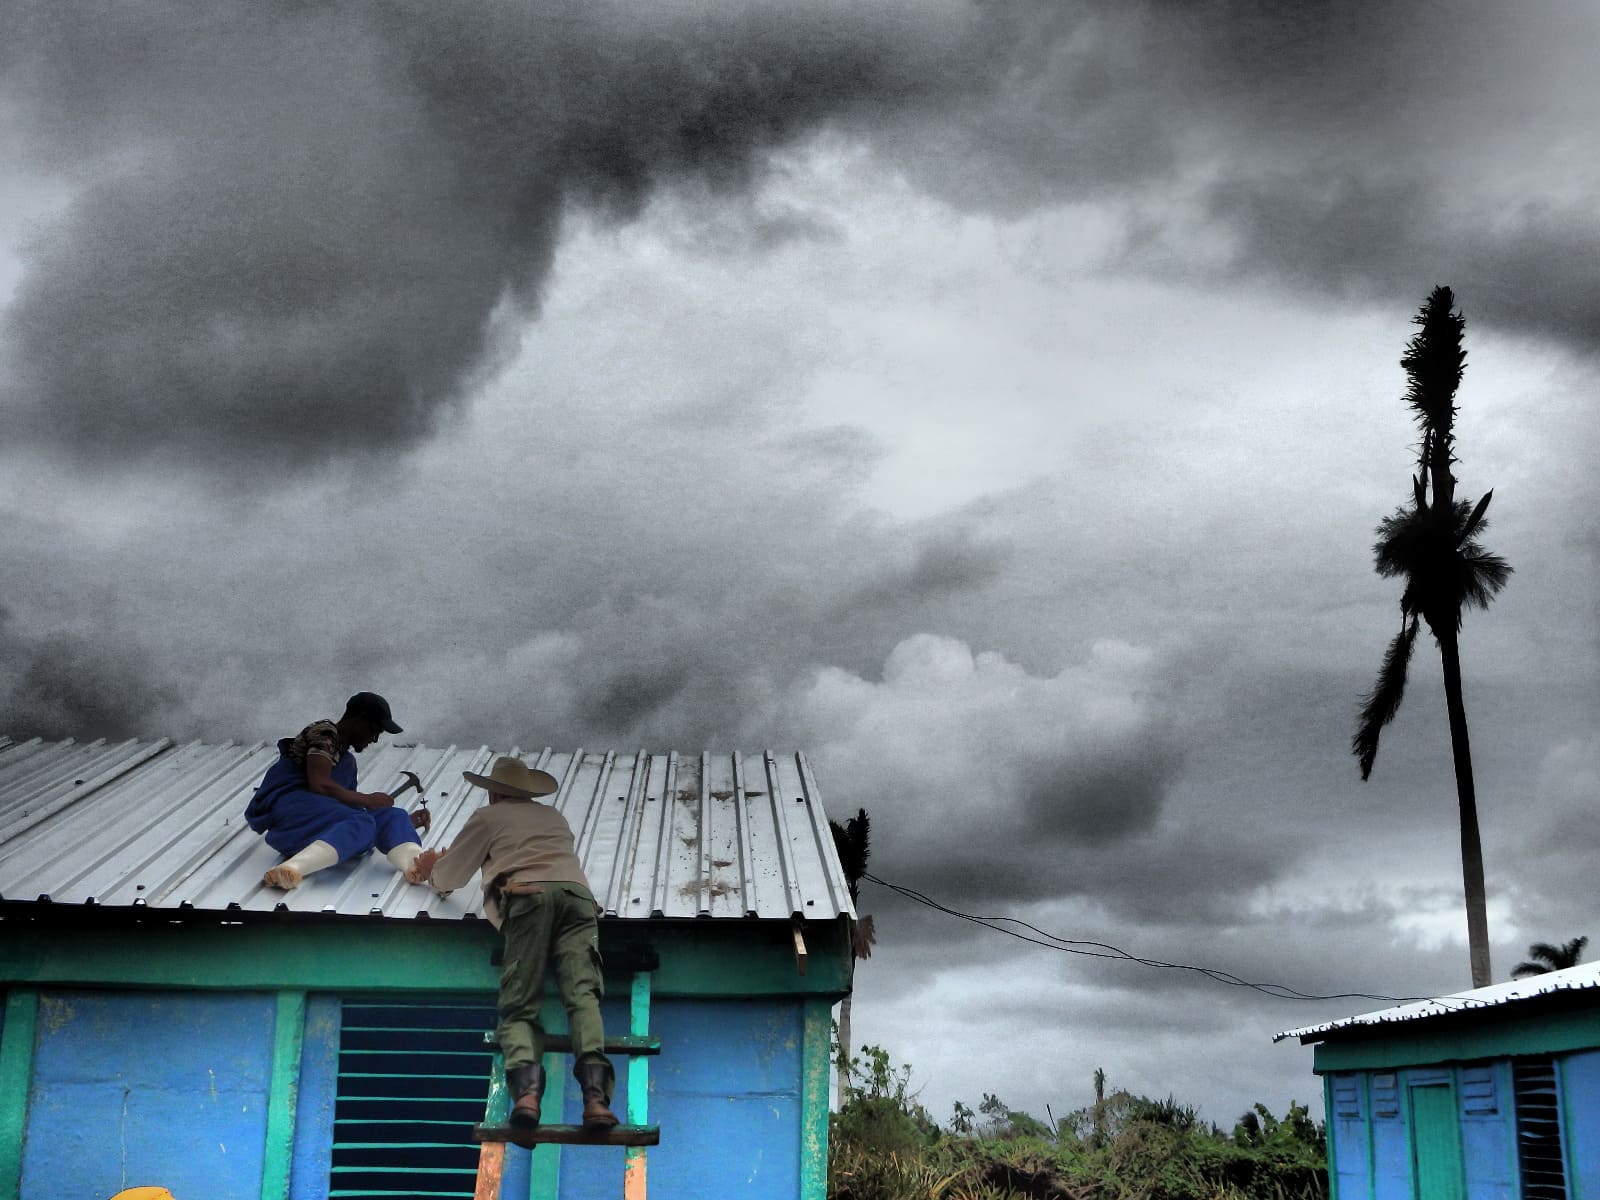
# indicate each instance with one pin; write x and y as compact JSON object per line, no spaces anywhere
{"x":168,"y":1021}
{"x":1490,"y":1094}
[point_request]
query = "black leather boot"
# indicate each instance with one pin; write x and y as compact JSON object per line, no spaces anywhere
{"x":526,"y":1085}
{"x":595,"y":1078}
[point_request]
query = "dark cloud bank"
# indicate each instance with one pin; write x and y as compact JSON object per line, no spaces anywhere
{"x":293,"y":225}
{"x":297,"y":231}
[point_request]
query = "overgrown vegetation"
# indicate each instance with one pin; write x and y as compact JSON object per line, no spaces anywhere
{"x":885,"y":1146}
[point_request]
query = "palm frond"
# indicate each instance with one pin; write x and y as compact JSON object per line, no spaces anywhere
{"x":852,"y":841}
{"x":1476,"y":521}
{"x":1434,"y":362}
{"x":1383,"y":701}
{"x":1545,"y":958}
{"x":1482,"y":575}
{"x":1402,"y":540}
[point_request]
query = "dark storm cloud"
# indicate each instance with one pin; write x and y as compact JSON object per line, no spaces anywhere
{"x":291,"y":225}
{"x":62,"y":685}
{"x":947,"y":562}
{"x":1100,"y":797}
{"x":1355,"y":151}
{"x":1366,"y":238}
{"x":293,"y":228}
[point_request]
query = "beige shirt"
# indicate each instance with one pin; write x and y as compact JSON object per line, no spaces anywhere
{"x":520,"y":841}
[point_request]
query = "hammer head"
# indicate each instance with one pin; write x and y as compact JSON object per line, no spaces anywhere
{"x":412,"y":781}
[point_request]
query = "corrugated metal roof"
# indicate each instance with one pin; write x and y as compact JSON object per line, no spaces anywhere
{"x":1584,"y":977}
{"x":161,"y":825}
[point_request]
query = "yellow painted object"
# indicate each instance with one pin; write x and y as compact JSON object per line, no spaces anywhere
{"x":143,"y":1193}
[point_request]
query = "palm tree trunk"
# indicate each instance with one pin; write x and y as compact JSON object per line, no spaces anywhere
{"x":1471,"y":846}
{"x":844,"y":1050}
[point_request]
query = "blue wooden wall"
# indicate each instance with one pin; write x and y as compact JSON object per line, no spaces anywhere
{"x":1369,"y":1122}
{"x":135,"y":1088}
{"x":171,"y":1088}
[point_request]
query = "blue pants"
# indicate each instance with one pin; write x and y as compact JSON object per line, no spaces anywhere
{"x":300,"y":818}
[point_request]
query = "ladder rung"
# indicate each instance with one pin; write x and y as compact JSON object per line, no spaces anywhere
{"x":570,"y":1135}
{"x":625,"y":1046}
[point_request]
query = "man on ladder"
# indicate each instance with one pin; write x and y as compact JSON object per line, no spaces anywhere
{"x":535,"y":893}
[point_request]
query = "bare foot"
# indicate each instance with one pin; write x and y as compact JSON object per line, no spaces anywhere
{"x":284,"y":875}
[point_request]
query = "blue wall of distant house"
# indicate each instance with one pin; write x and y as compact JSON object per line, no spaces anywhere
{"x":1370,"y":1128}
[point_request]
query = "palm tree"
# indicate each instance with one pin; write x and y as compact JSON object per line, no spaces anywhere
{"x":1432,"y":544}
{"x":1551,"y":958}
{"x":852,"y":841}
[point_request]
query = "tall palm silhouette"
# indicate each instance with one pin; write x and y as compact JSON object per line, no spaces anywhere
{"x":1432,"y":544}
{"x":853,"y":842}
{"x":1548,"y":958}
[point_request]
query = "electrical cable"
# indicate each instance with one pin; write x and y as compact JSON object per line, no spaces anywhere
{"x":1051,"y":941}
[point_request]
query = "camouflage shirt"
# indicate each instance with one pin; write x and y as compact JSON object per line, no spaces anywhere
{"x":320,"y":738}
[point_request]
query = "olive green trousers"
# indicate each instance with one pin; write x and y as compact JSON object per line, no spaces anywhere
{"x":554,"y":926}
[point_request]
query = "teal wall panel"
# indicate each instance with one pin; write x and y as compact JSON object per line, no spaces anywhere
{"x":726,"y":1091}
{"x":1580,"y":1074}
{"x":137,"y":1088}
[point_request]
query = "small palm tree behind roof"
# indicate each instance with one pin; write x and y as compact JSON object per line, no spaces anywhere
{"x":853,"y":841}
{"x":1546,"y":958}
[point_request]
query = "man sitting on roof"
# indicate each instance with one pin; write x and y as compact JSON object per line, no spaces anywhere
{"x":535,"y":893}
{"x":308,"y":806}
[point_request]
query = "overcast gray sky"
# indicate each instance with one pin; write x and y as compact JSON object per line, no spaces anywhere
{"x":993,"y":400}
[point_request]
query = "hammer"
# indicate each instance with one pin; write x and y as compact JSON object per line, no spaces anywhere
{"x":412,"y":781}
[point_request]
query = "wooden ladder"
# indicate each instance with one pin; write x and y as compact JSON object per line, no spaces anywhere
{"x":635,"y":1134}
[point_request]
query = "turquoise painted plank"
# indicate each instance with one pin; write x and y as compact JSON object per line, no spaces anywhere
{"x":17,"y":1038}
{"x":1552,"y":1033}
{"x":702,"y":958}
{"x":544,"y":1167}
{"x":816,"y":1061}
{"x":288,"y":1035}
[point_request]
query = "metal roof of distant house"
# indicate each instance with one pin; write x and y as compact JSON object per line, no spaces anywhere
{"x":1517,"y":992}
{"x":161,"y":826}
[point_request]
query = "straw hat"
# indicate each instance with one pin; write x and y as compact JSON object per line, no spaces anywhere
{"x":513,"y":777}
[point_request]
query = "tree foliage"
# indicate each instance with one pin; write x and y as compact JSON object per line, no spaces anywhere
{"x":1120,"y":1147}
{"x":1546,"y":957}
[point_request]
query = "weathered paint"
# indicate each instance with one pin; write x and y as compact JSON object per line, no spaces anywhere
{"x":815,"y":1066}
{"x":1502,"y":1037}
{"x":314,"y":1102}
{"x":148,"y":1088}
{"x":636,"y":1159}
{"x":288,"y":1027}
{"x":492,"y":1155}
{"x":491,"y":1164}
{"x":17,"y":1038}
{"x":716,"y":958}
